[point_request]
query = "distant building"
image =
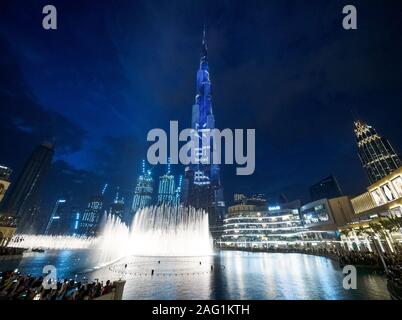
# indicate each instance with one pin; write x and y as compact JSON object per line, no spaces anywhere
{"x":23,"y":199}
{"x":375,"y":152}
{"x":255,"y":199}
{"x":5,"y":174}
{"x":117,"y":208}
{"x":92,"y":216}
{"x":327,"y":214}
{"x":75,"y":221}
{"x":327,"y":188}
{"x":239,"y":198}
{"x":178,"y":192}
{"x":59,"y":219}
{"x":166,"y":190}
{"x":143,"y":190}
{"x":252,"y":226}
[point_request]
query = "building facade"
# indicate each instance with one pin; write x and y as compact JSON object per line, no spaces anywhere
{"x":143,"y":191}
{"x":91,"y":217}
{"x":375,"y":152}
{"x":254,"y":226}
{"x":5,"y":174}
{"x":327,"y":214}
{"x":59,"y":219}
{"x":22,"y":200}
{"x":117,"y":208}
{"x":166,"y":189}
{"x":383,"y":198}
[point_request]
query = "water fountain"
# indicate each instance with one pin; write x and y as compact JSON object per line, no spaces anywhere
{"x":170,"y":231}
{"x":155,"y":231}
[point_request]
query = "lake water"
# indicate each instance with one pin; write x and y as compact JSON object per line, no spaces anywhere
{"x":225,"y":275}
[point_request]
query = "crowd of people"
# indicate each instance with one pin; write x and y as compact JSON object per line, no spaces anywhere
{"x":15,"y":286}
{"x":364,"y":258}
{"x":8,"y":251}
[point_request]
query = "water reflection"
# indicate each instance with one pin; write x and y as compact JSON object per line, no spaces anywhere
{"x":236,"y":275}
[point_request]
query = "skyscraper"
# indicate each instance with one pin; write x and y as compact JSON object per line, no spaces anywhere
{"x":376,"y":153}
{"x":202,"y":186}
{"x":91,"y":218}
{"x":166,"y":190}
{"x":59,"y":219}
{"x":327,"y":188}
{"x":23,"y":199}
{"x":143,"y":190}
{"x":117,"y":208}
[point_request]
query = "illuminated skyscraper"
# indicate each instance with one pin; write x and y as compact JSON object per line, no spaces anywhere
{"x":23,"y":199}
{"x":91,"y":218}
{"x":166,"y":190}
{"x":376,"y":153}
{"x":202,"y":186}
{"x":58,"y":222}
{"x":143,"y":190}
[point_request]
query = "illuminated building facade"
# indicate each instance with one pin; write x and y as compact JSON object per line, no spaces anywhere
{"x":267,"y":226}
{"x":327,"y":214}
{"x":166,"y":190}
{"x":143,"y":190}
{"x":75,"y":221}
{"x":59,"y":219}
{"x":91,"y":217}
{"x":202,"y":185}
{"x":382,"y":198}
{"x":376,"y":153}
{"x":5,"y":174}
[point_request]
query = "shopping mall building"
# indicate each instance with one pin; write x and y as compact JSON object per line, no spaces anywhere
{"x":254,"y":226}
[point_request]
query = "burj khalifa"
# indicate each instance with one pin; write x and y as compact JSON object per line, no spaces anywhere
{"x":202,"y":187}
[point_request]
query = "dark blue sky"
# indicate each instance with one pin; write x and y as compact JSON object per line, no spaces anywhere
{"x":114,"y":70}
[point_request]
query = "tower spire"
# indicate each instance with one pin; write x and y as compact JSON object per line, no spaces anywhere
{"x":204,"y":50}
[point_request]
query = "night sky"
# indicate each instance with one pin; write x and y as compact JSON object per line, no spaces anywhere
{"x":114,"y":70}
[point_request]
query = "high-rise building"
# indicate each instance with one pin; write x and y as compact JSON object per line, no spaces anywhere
{"x":202,"y":186}
{"x":91,"y":218}
{"x":59,"y":219}
{"x":143,"y":190}
{"x":117,"y":208}
{"x":23,"y":199}
{"x":327,"y":188}
{"x":166,"y":190}
{"x":177,"y":195}
{"x":75,"y":221}
{"x":5,"y":174}
{"x":376,"y":153}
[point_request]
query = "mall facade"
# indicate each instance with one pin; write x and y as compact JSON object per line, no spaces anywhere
{"x":269,"y":226}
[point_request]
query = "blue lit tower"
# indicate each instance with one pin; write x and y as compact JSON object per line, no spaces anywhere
{"x":202,"y":186}
{"x":166,"y":190}
{"x":143,"y":190}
